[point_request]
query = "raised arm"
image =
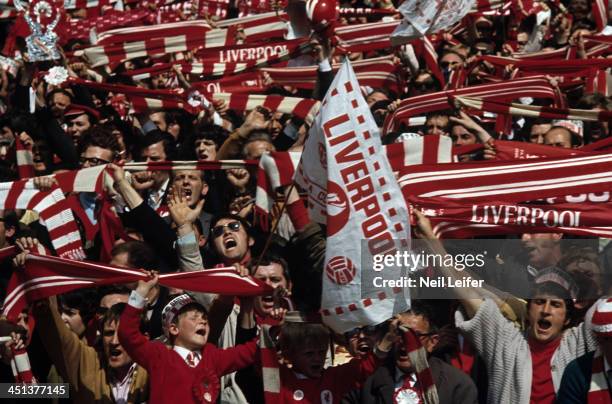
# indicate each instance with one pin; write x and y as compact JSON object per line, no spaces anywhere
{"x":135,"y":343}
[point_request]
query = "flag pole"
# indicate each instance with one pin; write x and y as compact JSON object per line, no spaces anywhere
{"x":269,"y":239}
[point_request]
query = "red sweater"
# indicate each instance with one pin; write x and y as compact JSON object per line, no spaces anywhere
{"x":331,"y":387}
{"x":171,"y":380}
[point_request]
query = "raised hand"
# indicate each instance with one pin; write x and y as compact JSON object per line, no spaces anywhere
{"x":180,"y":211}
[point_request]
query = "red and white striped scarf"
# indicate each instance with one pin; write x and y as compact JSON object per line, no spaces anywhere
{"x":376,"y":72}
{"x":76,"y":4}
{"x":81,"y":29}
{"x":303,"y":108}
{"x":418,"y":358}
{"x":599,"y":9}
{"x":25,"y":160}
{"x":599,"y":392}
{"x":269,"y":367}
{"x":117,"y":46}
{"x":537,"y":87}
{"x":230,"y":60}
{"x":20,"y":365}
{"x":532,"y":111}
{"x":513,"y":181}
{"x":53,"y":210}
{"x":45,"y":276}
{"x":460,"y":219}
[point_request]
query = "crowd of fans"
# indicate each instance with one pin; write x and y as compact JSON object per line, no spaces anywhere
{"x":137,"y":343}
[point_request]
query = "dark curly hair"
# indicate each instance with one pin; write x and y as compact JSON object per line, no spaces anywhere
{"x":99,"y":136}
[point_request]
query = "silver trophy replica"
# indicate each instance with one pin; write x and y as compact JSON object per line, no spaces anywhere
{"x":42,"y":17}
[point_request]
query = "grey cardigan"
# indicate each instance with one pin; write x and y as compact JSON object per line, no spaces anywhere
{"x":505,"y":350}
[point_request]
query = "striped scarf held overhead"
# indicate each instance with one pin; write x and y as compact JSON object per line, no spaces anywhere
{"x":376,"y":72}
{"x":458,"y":219}
{"x":117,"y":46}
{"x":53,"y":210}
{"x":537,"y":87}
{"x":81,"y":28}
{"x":303,"y":108}
{"x":231,"y":60}
{"x":45,"y":276}
{"x":531,"y":111}
{"x":599,"y":392}
{"x":512,"y":181}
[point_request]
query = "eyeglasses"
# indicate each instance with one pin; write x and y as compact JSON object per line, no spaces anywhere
{"x":368,"y":330}
{"x":93,"y":161}
{"x":219,"y":230}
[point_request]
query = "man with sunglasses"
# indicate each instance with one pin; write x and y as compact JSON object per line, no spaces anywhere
{"x":231,"y":239}
{"x":360,"y":341}
{"x":397,"y":378}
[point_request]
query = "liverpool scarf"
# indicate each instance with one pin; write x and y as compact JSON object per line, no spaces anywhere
{"x":45,"y":276}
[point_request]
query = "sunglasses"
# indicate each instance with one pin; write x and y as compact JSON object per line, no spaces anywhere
{"x":219,"y":230}
{"x":368,"y":330}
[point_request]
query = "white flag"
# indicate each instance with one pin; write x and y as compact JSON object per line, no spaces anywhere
{"x":352,"y":190}
{"x":424,"y":17}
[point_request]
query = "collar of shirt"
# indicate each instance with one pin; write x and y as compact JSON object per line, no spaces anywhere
{"x":184,"y":352}
{"x":121,"y":388}
{"x":400,"y":375}
{"x":155,"y":197}
{"x":88,"y":202}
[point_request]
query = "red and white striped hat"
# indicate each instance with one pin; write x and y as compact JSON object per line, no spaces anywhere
{"x":173,"y":308}
{"x":602,"y":318}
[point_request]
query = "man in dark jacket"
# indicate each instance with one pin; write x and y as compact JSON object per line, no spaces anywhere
{"x":397,"y":377}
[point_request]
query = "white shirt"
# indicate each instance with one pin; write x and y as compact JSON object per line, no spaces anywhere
{"x":121,"y":388}
{"x":184,"y":352}
{"x":154,"y":198}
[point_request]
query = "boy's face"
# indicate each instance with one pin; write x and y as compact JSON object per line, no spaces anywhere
{"x":114,"y":352}
{"x":191,"y":330}
{"x":309,"y":359}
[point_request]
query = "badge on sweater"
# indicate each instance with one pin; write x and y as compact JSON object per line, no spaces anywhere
{"x":298,"y":395}
{"x":327,"y":397}
{"x":407,"y":395}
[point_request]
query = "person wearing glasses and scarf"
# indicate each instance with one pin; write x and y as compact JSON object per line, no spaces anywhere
{"x":97,"y":146}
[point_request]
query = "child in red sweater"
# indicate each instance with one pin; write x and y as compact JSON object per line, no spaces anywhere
{"x":305,"y":380}
{"x":189,"y":372}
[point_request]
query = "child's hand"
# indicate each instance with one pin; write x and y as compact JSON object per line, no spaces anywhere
{"x":144,"y":287}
